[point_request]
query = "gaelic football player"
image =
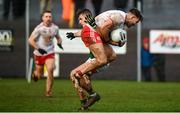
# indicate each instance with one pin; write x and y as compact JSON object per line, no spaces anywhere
{"x":41,"y":40}
{"x":96,"y":37}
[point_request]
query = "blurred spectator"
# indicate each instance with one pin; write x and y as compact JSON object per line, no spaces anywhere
{"x":17,"y":6}
{"x":69,"y":15}
{"x":146,"y":60}
{"x":68,"y":12}
{"x":121,"y":4}
{"x":69,"y":8}
{"x":45,"y":5}
{"x":6,"y":8}
{"x":149,"y":61}
{"x":159,"y":66}
{"x":97,"y":6}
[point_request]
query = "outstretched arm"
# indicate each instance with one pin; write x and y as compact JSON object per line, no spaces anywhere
{"x":71,"y":35}
{"x":78,"y":33}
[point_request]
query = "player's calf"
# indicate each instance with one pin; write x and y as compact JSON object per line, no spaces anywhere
{"x":76,"y":82}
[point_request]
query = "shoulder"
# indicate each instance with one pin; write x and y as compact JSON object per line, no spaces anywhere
{"x":114,"y":12}
{"x":55,"y":26}
{"x":118,"y":13}
{"x":38,"y":27}
{"x":87,"y":27}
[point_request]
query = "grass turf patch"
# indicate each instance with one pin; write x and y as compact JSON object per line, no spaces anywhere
{"x":116,"y":96}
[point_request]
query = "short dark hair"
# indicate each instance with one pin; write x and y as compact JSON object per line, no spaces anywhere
{"x":45,"y":11}
{"x":137,"y":13}
{"x":84,"y":12}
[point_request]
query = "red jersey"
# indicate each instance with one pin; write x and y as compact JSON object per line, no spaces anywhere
{"x":90,"y":36}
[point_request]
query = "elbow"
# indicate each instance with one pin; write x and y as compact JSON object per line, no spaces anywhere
{"x":29,"y":40}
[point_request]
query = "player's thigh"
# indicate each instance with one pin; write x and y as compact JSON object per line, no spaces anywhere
{"x":50,"y":64}
{"x":98,"y":51}
{"x":81,"y":68}
{"x":110,"y":53}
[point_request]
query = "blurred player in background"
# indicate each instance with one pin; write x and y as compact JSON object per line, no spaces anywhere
{"x":95,"y":36}
{"x":41,"y":40}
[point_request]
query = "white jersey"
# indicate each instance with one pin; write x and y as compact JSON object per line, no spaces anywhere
{"x":117,"y":16}
{"x":44,"y":37}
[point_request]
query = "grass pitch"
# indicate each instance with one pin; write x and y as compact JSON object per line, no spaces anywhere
{"x":116,"y":96}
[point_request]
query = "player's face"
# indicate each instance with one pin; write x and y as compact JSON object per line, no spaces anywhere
{"x":131,"y":20}
{"x":47,"y":18}
{"x":81,"y":19}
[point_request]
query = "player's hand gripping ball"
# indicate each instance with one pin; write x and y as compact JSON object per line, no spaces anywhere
{"x":119,"y":35}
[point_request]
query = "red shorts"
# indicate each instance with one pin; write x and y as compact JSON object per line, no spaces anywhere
{"x":90,"y":36}
{"x":40,"y":60}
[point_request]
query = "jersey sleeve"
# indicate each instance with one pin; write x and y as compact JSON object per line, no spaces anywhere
{"x":57,"y":32}
{"x":35,"y":32}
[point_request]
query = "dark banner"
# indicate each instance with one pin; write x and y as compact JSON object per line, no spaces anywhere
{"x":6,"y":40}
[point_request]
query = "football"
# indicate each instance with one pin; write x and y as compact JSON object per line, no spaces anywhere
{"x":118,"y":35}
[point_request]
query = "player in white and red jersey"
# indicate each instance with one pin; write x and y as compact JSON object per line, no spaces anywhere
{"x":117,"y":17}
{"x":112,"y":19}
{"x":41,"y":40}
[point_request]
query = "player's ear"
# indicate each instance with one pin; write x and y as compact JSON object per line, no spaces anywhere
{"x":133,"y":17}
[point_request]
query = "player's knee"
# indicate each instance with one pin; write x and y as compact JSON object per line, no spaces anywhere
{"x":50,"y":71}
{"x":38,"y":73}
{"x":73,"y":75}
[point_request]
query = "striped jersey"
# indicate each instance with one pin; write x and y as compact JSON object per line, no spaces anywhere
{"x":44,"y":37}
{"x":117,"y":16}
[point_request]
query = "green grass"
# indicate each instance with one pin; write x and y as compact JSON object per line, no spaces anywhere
{"x":116,"y":96}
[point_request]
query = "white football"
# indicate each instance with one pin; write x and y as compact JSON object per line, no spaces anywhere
{"x":118,"y":35}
